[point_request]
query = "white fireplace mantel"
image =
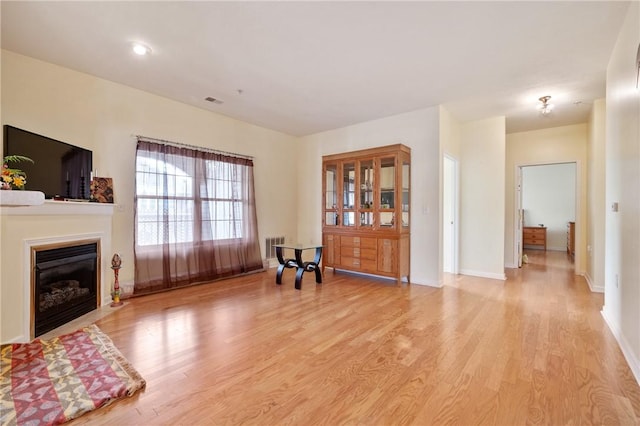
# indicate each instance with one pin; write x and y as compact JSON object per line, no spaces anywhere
{"x":21,"y":198}
{"x":55,"y":208}
{"x":23,"y":227}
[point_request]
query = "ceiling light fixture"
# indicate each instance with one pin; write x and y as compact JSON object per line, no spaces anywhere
{"x":141,"y":49}
{"x":213,"y":100}
{"x":544,"y":106}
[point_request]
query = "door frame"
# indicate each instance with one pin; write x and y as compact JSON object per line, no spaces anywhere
{"x":451,"y":182}
{"x":519,"y":217}
{"x":578,"y":207}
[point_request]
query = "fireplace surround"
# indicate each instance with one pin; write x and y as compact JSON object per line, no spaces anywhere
{"x":49,"y":224}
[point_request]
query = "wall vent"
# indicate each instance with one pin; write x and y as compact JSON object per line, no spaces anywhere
{"x":269,"y":249}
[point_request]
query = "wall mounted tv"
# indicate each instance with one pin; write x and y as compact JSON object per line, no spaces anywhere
{"x":59,"y":169}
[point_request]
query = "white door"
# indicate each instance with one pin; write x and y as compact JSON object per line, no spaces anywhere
{"x":449,"y":216}
{"x":519,"y":216}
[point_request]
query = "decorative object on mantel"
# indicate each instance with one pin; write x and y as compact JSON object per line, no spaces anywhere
{"x":102,"y":190}
{"x":85,"y":366}
{"x":13,"y":178}
{"x":21,"y":198}
{"x":116,"y":264}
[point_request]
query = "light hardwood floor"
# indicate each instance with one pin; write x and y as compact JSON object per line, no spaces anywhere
{"x":530,"y":350}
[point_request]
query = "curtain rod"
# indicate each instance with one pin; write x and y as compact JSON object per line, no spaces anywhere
{"x":201,"y":148}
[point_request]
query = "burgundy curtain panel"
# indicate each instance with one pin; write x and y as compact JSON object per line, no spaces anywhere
{"x":195,"y":217}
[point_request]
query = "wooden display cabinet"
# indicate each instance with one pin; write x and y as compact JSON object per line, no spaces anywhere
{"x":366,"y":211}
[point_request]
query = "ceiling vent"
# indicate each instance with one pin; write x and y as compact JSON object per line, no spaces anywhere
{"x":213,"y":100}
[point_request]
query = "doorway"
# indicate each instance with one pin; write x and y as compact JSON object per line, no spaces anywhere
{"x":547,"y":202}
{"x":450,"y":215}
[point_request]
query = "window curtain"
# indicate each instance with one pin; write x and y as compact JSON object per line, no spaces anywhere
{"x":195,"y":217}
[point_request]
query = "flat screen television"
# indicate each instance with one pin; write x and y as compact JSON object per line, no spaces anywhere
{"x":59,"y":169}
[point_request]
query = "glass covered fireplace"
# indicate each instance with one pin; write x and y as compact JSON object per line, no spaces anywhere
{"x":65,"y":283}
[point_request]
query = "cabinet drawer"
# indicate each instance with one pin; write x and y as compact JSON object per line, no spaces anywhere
{"x":357,"y":252}
{"x":350,"y":262}
{"x":358,"y":242}
{"x":368,"y":253}
{"x":368,"y":243}
{"x":533,"y":241}
{"x":369,"y":265}
{"x":540,"y":232}
{"x":366,"y":265}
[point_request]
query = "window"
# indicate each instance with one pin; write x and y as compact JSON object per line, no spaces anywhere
{"x":154,"y":178}
{"x":195,"y":216}
{"x":222,"y":206}
{"x":168,"y":206}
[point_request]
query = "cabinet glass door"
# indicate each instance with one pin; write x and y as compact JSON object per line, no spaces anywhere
{"x":387,"y":192}
{"x":406,"y":190}
{"x":331,"y":195}
{"x":367,"y":182}
{"x":348,"y":194}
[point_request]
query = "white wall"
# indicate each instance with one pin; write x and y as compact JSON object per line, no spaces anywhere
{"x":549,"y":198}
{"x":449,"y":218}
{"x":417,"y":130}
{"x":594,"y":263}
{"x":566,"y":144}
{"x":622,"y":228}
{"x":450,"y":134}
{"x":430,"y":133}
{"x":482,"y":209}
{"x":103,"y":116}
{"x":450,"y":139}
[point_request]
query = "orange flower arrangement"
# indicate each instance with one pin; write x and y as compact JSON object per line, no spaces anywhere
{"x":13,"y":178}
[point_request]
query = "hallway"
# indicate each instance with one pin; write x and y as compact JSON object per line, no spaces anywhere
{"x":554,"y":346}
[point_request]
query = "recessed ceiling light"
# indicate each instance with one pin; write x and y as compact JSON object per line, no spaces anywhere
{"x":141,"y":49}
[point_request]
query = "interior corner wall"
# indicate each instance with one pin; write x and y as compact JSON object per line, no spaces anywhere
{"x":482,"y":201}
{"x":565,"y":144}
{"x":622,"y":227}
{"x":594,"y":263}
{"x":104,"y":116}
{"x":417,"y":130}
{"x":450,"y":135}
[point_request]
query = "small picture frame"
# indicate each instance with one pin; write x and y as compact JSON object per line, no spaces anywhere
{"x":102,"y":190}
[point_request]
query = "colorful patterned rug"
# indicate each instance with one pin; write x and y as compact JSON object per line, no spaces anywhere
{"x":48,"y":382}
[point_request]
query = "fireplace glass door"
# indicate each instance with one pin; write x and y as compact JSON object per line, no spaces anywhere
{"x":65,"y":285}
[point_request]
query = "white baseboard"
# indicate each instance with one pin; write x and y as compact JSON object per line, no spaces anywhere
{"x":594,"y":288}
{"x":632,"y":359}
{"x":511,"y":266}
{"x":436,"y":284}
{"x":483,"y":274}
